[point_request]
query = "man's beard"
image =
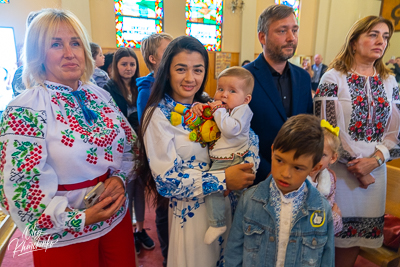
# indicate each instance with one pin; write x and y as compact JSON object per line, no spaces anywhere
{"x":276,"y":54}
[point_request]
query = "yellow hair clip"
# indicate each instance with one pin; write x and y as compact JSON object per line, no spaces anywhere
{"x":329,"y":127}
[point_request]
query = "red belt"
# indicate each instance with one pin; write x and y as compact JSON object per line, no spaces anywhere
{"x":85,"y":184}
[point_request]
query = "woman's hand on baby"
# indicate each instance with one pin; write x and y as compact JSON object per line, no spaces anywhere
{"x":114,"y":188}
{"x":239,"y":176}
{"x":100,"y":212}
{"x":198,"y":109}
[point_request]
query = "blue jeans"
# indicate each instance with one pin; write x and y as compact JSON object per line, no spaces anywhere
{"x":215,"y":202}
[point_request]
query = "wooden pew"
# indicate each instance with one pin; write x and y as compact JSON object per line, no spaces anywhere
{"x":384,"y":256}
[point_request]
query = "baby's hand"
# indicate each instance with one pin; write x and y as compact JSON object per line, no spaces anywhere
{"x":336,"y":209}
{"x":215,"y":103}
{"x":198,"y":109}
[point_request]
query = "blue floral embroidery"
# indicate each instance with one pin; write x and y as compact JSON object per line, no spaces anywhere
{"x":252,"y":155}
{"x":211,"y":184}
{"x":298,"y":197}
{"x":186,"y":213}
{"x":167,"y":105}
{"x":221,"y":261}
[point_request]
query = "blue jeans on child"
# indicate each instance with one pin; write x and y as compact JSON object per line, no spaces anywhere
{"x":215,"y":202}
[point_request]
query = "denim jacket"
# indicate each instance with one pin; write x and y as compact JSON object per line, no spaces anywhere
{"x":253,"y":238}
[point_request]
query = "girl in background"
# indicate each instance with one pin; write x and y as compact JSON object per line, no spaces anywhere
{"x":99,"y":75}
{"x":325,"y":179}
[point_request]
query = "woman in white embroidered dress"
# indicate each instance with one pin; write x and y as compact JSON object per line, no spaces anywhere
{"x":58,"y":139}
{"x":179,"y":166}
{"x":359,"y":95}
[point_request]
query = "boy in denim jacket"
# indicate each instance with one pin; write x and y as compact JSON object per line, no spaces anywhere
{"x":284,"y":221}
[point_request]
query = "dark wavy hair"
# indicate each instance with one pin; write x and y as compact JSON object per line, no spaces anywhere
{"x":161,"y":87}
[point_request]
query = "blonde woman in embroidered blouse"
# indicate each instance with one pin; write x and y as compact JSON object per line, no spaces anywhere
{"x":359,"y":95}
{"x":57,"y":141}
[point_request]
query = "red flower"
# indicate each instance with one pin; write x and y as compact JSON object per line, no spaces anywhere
{"x":358,"y":124}
{"x":381,"y":100}
{"x":359,"y":98}
{"x":317,"y":92}
{"x":376,"y":78}
{"x":354,"y":231}
{"x":352,"y":128}
{"x":369,"y":138}
{"x":354,"y":76}
{"x":378,"y":232}
{"x":386,"y":104}
{"x":379,"y":125}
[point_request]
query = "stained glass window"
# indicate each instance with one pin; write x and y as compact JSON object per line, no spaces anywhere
{"x":137,"y":19}
{"x":4,"y":1}
{"x":295,"y":4}
{"x":204,"y":22}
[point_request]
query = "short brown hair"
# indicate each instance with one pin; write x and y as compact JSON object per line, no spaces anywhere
{"x":344,"y":60}
{"x":150,"y":45}
{"x":302,"y":133}
{"x":271,"y":14}
{"x":241,"y":73}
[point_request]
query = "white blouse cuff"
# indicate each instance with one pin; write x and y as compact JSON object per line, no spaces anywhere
{"x":385,"y":152}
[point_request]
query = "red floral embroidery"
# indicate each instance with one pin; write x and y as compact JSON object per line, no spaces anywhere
{"x":108,"y":155}
{"x":368,"y":119}
{"x":92,"y":156}
{"x":44,"y":222}
{"x":120,"y":147}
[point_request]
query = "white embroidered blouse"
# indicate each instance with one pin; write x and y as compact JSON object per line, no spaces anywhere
{"x":52,"y":135}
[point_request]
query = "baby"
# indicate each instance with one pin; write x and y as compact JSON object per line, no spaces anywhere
{"x":232,"y":115}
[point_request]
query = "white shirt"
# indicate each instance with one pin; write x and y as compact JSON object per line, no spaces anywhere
{"x":234,"y":127}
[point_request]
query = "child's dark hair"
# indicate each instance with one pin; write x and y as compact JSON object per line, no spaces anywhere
{"x":302,"y":133}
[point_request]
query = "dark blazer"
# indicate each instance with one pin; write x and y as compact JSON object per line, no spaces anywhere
{"x":119,"y":99}
{"x":269,"y":113}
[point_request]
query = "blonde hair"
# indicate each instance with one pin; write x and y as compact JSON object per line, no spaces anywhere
{"x":240,"y":73}
{"x":38,"y":40}
{"x":150,"y":45}
{"x":344,"y":60}
{"x":333,"y":141}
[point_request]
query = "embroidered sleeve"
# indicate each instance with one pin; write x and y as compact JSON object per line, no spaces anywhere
{"x":394,"y":131}
{"x":252,"y":156}
{"x":126,"y":145}
{"x":176,"y":176}
{"x":326,"y":106}
{"x":232,"y":125}
{"x":27,"y":182}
